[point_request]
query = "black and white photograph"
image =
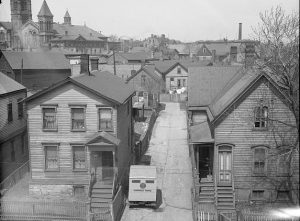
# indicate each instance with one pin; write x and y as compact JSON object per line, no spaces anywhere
{"x":161,"y":110}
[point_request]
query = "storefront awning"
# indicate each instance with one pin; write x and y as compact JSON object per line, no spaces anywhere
{"x":200,"y":133}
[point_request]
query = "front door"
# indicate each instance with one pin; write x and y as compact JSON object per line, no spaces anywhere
{"x":225,"y":161}
{"x":102,"y":165}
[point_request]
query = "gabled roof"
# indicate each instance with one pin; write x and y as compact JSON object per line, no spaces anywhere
{"x":45,"y":11}
{"x":103,"y":84}
{"x":36,"y":60}
{"x":8,"y":85}
{"x":205,"y":83}
{"x":103,"y":138}
{"x":149,"y":69}
{"x":202,"y":52}
{"x":6,"y":24}
{"x":67,"y":15}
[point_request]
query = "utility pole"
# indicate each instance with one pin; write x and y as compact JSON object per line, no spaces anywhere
{"x":114,"y":61}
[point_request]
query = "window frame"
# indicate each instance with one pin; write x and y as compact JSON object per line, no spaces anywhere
{"x":261,"y":119}
{"x":10,"y":117}
{"x":178,"y":70}
{"x":45,"y":146}
{"x":258,"y":198}
{"x":265,"y":148}
{"x":111,"y":111}
{"x":71,"y":118}
{"x":281,"y":199}
{"x":20,"y":106}
{"x":73,"y":146}
{"x":55,"y":122}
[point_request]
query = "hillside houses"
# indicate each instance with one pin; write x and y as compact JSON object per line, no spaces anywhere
{"x":238,"y":132}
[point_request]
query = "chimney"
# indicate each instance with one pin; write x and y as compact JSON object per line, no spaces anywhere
{"x":249,"y":54}
{"x":214,"y":55}
{"x":84,"y":64}
{"x":240,"y":31}
{"x":94,"y":64}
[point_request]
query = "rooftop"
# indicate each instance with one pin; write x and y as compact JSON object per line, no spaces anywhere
{"x":8,"y":85}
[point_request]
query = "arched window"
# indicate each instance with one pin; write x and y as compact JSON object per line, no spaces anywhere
{"x":259,"y":160}
{"x":261,"y":117}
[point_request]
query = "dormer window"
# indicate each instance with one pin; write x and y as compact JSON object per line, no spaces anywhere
{"x":261,"y":117}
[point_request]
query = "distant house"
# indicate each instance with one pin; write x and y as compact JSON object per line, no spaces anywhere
{"x":238,"y":132}
{"x":148,"y":85}
{"x":204,"y":53}
{"x":133,"y":58}
{"x":37,"y":70}
{"x":80,"y":134}
{"x":13,"y":136}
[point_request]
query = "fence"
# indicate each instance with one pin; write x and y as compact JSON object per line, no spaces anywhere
{"x":254,"y":216}
{"x":173,"y":97}
{"x":38,"y":210}
{"x":13,"y":178}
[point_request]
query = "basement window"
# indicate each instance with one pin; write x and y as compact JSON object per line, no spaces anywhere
{"x":258,"y":194}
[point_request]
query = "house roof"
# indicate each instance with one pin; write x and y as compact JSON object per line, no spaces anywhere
{"x":202,"y":52}
{"x":205,"y":83}
{"x":8,"y":85}
{"x":6,"y":24}
{"x":101,"y":83}
{"x":37,"y":60}
{"x":141,"y":55}
{"x":149,"y":69}
{"x":76,"y":30}
{"x":45,"y":11}
{"x":200,"y":133}
{"x":101,"y":138}
{"x":67,"y":15}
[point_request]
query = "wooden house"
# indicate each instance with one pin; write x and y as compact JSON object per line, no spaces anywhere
{"x":240,"y":131}
{"x":80,"y":137}
{"x":148,"y":86}
{"x":13,"y":137}
{"x":37,"y":70}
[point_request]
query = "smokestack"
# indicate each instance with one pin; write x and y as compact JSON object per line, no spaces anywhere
{"x":240,"y":31}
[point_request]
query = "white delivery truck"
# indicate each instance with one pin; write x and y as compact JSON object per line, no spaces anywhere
{"x":142,"y":185}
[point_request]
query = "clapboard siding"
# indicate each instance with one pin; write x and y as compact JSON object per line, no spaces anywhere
{"x":237,"y":128}
{"x":63,"y":97}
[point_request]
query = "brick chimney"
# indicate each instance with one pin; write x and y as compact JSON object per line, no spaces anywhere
{"x":80,"y":64}
{"x":240,"y":31}
{"x":249,"y":54}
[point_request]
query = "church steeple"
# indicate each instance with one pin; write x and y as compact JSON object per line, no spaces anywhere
{"x":45,"y":18}
{"x":67,"y":18}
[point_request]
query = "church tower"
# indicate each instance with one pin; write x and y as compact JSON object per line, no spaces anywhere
{"x":67,"y":19}
{"x":45,"y":18}
{"x":20,"y":14}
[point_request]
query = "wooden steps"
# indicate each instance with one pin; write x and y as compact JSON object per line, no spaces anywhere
{"x":225,"y":200}
{"x":102,"y":194}
{"x":207,"y":191}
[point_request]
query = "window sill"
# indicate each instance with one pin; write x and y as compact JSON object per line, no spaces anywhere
{"x":78,"y":130}
{"x":51,"y":170}
{"x":80,"y":170}
{"x":259,"y":129}
{"x":50,"y":130}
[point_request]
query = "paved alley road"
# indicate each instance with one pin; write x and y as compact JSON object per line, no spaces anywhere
{"x":169,"y":153}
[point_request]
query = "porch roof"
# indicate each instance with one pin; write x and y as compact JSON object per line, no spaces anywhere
{"x":200,"y":133}
{"x":102,"y":139}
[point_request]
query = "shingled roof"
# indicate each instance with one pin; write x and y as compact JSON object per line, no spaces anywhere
{"x":206,"y":82}
{"x":101,"y":83}
{"x":8,"y":85}
{"x":37,"y":60}
{"x":45,"y":11}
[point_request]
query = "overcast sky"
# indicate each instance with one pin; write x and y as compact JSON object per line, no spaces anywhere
{"x":185,"y":20}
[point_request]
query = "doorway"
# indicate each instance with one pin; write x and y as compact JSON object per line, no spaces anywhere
{"x":102,"y":164}
{"x":225,"y":165}
{"x":205,"y":160}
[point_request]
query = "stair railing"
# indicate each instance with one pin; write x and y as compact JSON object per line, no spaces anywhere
{"x":115,"y":181}
{"x":92,"y":182}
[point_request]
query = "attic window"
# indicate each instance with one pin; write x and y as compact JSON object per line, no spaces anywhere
{"x":260,"y":117}
{"x":91,"y":34}
{"x":204,"y":50}
{"x":178,"y":70}
{"x":66,"y":32}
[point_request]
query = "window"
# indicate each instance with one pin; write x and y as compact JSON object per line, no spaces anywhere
{"x":78,"y":119}
{"x":9,"y":112}
{"x":51,"y":157}
{"x":12,"y":151}
{"x":105,"y":119}
{"x":143,"y":80}
{"x":78,"y":191}
{"x":260,"y":117}
{"x":23,"y":5}
{"x":20,"y":108}
{"x":259,"y":161}
{"x":184,"y":82}
{"x":49,"y":118}
{"x":283,"y":163}
{"x":171,"y":79}
{"x":258,"y":194}
{"x":178,"y":70}
{"x":23,"y":144}
{"x":283,"y":195}
{"x":79,"y":159}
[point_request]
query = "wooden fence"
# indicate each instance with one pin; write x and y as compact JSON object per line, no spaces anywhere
{"x":173,"y":97}
{"x":254,"y":216}
{"x":41,"y":210}
{"x":14,"y":177}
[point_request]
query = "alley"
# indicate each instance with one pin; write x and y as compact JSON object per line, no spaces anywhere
{"x":169,"y":153}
